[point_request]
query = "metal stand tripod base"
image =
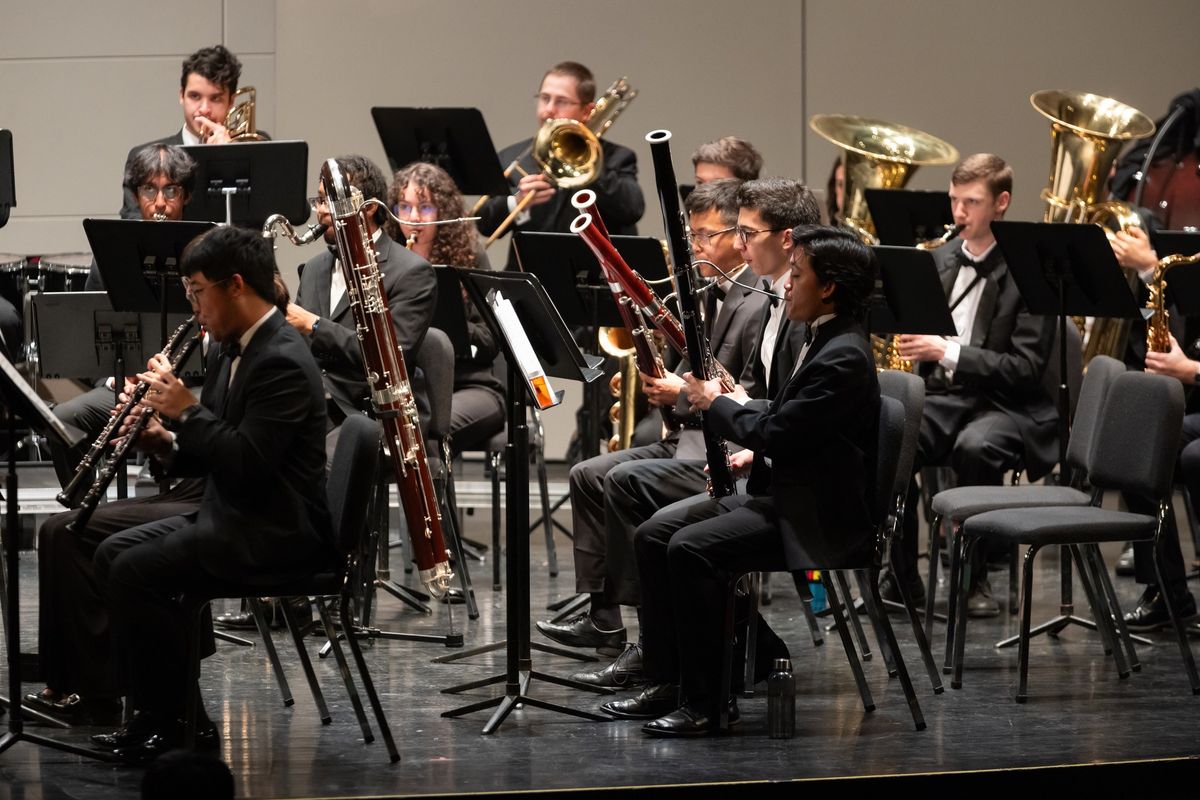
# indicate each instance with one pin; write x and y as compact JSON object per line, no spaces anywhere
{"x":1055,"y":626}
{"x":14,"y":737}
{"x":418,"y":601}
{"x":229,"y":637}
{"x":516,"y":695}
{"x":359,"y":632}
{"x":47,"y":719}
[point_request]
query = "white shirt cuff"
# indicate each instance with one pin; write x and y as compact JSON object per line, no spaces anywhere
{"x":950,"y":360}
{"x":523,"y":217}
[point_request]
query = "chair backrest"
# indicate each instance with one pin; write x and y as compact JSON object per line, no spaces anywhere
{"x":1090,"y":410}
{"x":909,"y":389}
{"x":436,"y":360}
{"x":891,"y":442}
{"x":351,"y":479}
{"x":1137,"y":441}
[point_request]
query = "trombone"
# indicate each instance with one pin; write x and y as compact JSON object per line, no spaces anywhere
{"x":567,"y":150}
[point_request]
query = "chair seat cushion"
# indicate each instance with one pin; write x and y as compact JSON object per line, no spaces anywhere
{"x":1060,"y":525}
{"x":962,"y":502}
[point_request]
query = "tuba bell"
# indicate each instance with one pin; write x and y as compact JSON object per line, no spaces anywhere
{"x":877,"y":155}
{"x":1087,"y":132}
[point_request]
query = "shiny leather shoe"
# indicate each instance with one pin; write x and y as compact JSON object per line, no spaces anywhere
{"x":980,"y":603}
{"x":240,"y":621}
{"x":1124,"y":566}
{"x":623,"y":673}
{"x":652,"y":702}
{"x":581,"y":631}
{"x":138,"y":729}
{"x":170,"y":737}
{"x":74,"y":709}
{"x":690,"y":721}
{"x":1151,"y":612}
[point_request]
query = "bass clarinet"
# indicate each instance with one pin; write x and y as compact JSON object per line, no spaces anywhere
{"x":387,"y":377}
{"x":178,"y":356}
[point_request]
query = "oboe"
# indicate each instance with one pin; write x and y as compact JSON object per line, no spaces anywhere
{"x":116,"y":459}
{"x":70,"y":492}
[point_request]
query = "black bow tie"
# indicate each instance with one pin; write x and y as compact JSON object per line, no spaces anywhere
{"x":718,"y":292}
{"x":983,"y":267}
{"x":766,"y":285}
{"x":232,"y":351}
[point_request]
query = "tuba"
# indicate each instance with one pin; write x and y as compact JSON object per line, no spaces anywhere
{"x":568,"y":151}
{"x":877,"y":155}
{"x":1087,"y":132}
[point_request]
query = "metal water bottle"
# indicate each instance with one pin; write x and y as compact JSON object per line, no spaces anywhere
{"x":781,"y":701}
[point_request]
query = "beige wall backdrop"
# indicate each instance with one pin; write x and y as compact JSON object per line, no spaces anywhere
{"x":81,"y":83}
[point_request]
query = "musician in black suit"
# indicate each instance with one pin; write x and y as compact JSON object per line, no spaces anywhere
{"x":257,"y":433}
{"x":567,"y":91}
{"x":604,"y":515}
{"x":986,"y":409}
{"x":322,"y":308}
{"x":807,"y":500}
{"x":207,"y":83}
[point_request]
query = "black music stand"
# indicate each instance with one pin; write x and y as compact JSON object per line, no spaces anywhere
{"x":534,"y":339}
{"x":245,"y":182}
{"x":909,"y":297}
{"x":8,"y":183}
{"x":455,"y":139}
{"x":1064,"y":270}
{"x":904,"y":217}
{"x":21,"y":401}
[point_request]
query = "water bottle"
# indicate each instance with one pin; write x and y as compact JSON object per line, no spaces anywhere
{"x":781,"y":701}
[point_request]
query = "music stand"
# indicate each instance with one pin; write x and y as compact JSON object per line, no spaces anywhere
{"x":537,"y":346}
{"x":455,"y":139}
{"x":905,"y":217}
{"x":21,"y":401}
{"x":909,"y":297}
{"x":8,"y":184}
{"x":1064,"y":270}
{"x":245,"y":182}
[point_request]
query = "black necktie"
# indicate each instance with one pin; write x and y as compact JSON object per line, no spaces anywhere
{"x":809,"y":331}
{"x":229,"y":352}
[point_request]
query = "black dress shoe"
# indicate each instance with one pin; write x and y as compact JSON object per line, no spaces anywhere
{"x":1151,"y":612}
{"x":1124,"y":566}
{"x":889,"y":592}
{"x":623,"y":673}
{"x":652,"y":702}
{"x":139,"y":728}
{"x":980,"y":603}
{"x":581,"y":631}
{"x":690,"y":720}
{"x":240,"y":621}
{"x":76,"y":710}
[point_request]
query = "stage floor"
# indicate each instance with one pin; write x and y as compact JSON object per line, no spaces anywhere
{"x":1078,"y":711}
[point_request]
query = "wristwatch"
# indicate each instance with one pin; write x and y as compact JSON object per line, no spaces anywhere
{"x":313,"y":330}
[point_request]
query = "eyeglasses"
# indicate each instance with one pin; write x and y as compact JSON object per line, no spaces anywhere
{"x":192,"y":292}
{"x":316,"y":201}
{"x":744,"y":234}
{"x":555,"y":102}
{"x":172,"y":191}
{"x":705,"y":239}
{"x":421,"y":211}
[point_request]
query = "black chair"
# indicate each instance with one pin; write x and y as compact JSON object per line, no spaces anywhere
{"x":959,"y":504}
{"x":891,"y":437}
{"x":349,"y":485}
{"x":1137,"y":459}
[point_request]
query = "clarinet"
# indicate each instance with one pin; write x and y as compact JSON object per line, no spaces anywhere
{"x":391,"y":392}
{"x":116,"y":460}
{"x":721,"y":481}
{"x":92,"y":457}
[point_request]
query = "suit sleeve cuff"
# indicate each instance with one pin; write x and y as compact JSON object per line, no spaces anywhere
{"x":950,"y":359}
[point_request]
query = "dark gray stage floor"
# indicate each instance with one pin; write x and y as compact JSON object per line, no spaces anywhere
{"x":1078,"y":712}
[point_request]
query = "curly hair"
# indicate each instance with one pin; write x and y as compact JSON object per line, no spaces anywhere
{"x":453,"y":244}
{"x":216,"y":65}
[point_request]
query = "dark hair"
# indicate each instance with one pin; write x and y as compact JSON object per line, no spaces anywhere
{"x":585,"y":82}
{"x":831,"y":204}
{"x":160,"y":159}
{"x":985,"y":167}
{"x":362,"y":173}
{"x":781,"y":202}
{"x":216,"y":65}
{"x":838,"y":256}
{"x":729,"y":151}
{"x":720,"y":196}
{"x":187,"y":775}
{"x":452,"y":244}
{"x":221,"y":253}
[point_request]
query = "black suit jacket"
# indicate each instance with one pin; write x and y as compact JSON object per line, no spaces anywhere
{"x":1005,"y":360}
{"x":820,"y":433}
{"x":618,"y":196}
{"x":410,"y":286}
{"x":263,"y":516}
{"x":787,"y":346}
{"x":129,"y":204}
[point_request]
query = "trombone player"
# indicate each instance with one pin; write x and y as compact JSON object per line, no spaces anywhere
{"x":567,"y":91}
